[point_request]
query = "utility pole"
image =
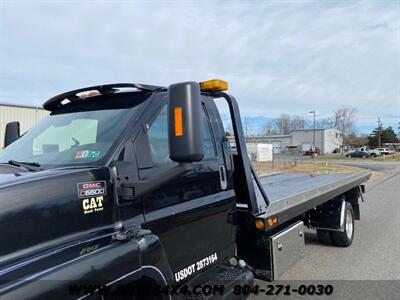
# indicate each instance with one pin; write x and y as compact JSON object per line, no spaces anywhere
{"x":313,"y":150}
{"x":399,"y":129}
{"x":379,"y":132}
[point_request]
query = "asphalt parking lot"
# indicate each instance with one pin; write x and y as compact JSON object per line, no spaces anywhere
{"x":375,"y":252}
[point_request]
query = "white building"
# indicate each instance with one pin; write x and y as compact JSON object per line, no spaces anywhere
{"x":260,"y":152}
{"x":327,"y":140}
{"x":26,"y":115}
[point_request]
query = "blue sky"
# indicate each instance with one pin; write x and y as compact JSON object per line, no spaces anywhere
{"x":278,"y":56}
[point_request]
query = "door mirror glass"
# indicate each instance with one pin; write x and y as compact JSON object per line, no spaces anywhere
{"x":185,"y":128}
{"x":12,"y":133}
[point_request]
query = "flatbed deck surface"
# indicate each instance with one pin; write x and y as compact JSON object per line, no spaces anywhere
{"x":286,"y":191}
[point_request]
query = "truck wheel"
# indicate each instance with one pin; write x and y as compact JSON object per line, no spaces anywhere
{"x":324,"y":236}
{"x":344,"y":239}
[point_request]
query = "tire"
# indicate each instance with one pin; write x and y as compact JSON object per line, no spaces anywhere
{"x":373,"y":155}
{"x":345,"y":239}
{"x":324,"y":236}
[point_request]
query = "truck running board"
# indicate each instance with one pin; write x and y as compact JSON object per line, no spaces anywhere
{"x":221,"y":276}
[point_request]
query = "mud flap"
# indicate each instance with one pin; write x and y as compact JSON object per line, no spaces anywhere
{"x":255,"y":249}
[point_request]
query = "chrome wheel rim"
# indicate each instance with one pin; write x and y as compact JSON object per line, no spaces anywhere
{"x":349,"y":224}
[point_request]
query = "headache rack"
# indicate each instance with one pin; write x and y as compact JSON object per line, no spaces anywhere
{"x":60,"y":100}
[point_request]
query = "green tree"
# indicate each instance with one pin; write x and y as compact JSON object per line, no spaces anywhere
{"x":387,"y":136}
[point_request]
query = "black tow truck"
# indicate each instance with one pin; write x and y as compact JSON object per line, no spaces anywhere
{"x":131,"y":185}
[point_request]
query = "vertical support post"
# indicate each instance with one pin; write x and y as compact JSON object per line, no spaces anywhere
{"x":243,"y":161}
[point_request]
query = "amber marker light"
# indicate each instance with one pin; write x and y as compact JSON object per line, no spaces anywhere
{"x":178,"y":121}
{"x":272,"y":221}
{"x":214,"y":85}
{"x":260,"y":224}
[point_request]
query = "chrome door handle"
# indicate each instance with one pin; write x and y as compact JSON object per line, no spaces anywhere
{"x":222,"y":177}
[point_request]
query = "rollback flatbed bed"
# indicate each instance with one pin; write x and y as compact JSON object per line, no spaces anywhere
{"x":293,"y":200}
{"x":292,"y":194}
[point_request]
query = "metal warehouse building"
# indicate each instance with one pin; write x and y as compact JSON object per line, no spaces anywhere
{"x":326,"y":139}
{"x":26,"y":115}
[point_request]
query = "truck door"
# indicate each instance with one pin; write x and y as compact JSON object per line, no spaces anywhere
{"x":190,"y":214}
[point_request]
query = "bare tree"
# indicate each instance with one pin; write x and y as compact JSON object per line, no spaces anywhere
{"x":343,"y":119}
{"x":282,"y":124}
{"x":328,"y":122}
{"x":269,"y":128}
{"x":246,"y":128}
{"x":228,"y":128}
{"x":297,"y":122}
{"x":355,"y":140}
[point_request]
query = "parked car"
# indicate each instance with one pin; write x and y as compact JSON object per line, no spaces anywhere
{"x":371,"y":152}
{"x":374,"y":152}
{"x":358,"y":153}
{"x":384,"y":151}
{"x":311,"y":151}
{"x":363,"y":148}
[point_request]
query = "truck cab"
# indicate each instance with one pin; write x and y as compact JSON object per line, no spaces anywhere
{"x":132,"y":185}
{"x":100,"y":171}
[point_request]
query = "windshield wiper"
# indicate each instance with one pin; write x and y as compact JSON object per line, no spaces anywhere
{"x":27,"y":165}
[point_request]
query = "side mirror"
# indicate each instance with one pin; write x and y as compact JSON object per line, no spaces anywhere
{"x":185,"y":127}
{"x":12,"y":133}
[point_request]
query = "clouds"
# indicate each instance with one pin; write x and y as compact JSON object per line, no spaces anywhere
{"x":278,"y":57}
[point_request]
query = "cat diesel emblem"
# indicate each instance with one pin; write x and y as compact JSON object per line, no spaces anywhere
{"x":91,"y":205}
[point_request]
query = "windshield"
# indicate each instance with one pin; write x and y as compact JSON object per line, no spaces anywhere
{"x":71,"y":138}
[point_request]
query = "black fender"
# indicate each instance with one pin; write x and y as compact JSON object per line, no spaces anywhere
{"x":154,"y":257}
{"x":352,"y":196}
{"x":328,"y":215}
{"x":118,"y":262}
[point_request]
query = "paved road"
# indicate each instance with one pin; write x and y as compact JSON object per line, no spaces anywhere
{"x":374,"y":254}
{"x":372,"y":165}
{"x":367,"y":163}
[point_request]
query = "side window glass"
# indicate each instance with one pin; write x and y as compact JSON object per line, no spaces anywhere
{"x":209,"y":146}
{"x":158,"y":138}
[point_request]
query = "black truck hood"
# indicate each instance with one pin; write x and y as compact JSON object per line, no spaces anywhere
{"x":19,"y":176}
{"x":40,"y":210}
{"x":6,"y":178}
